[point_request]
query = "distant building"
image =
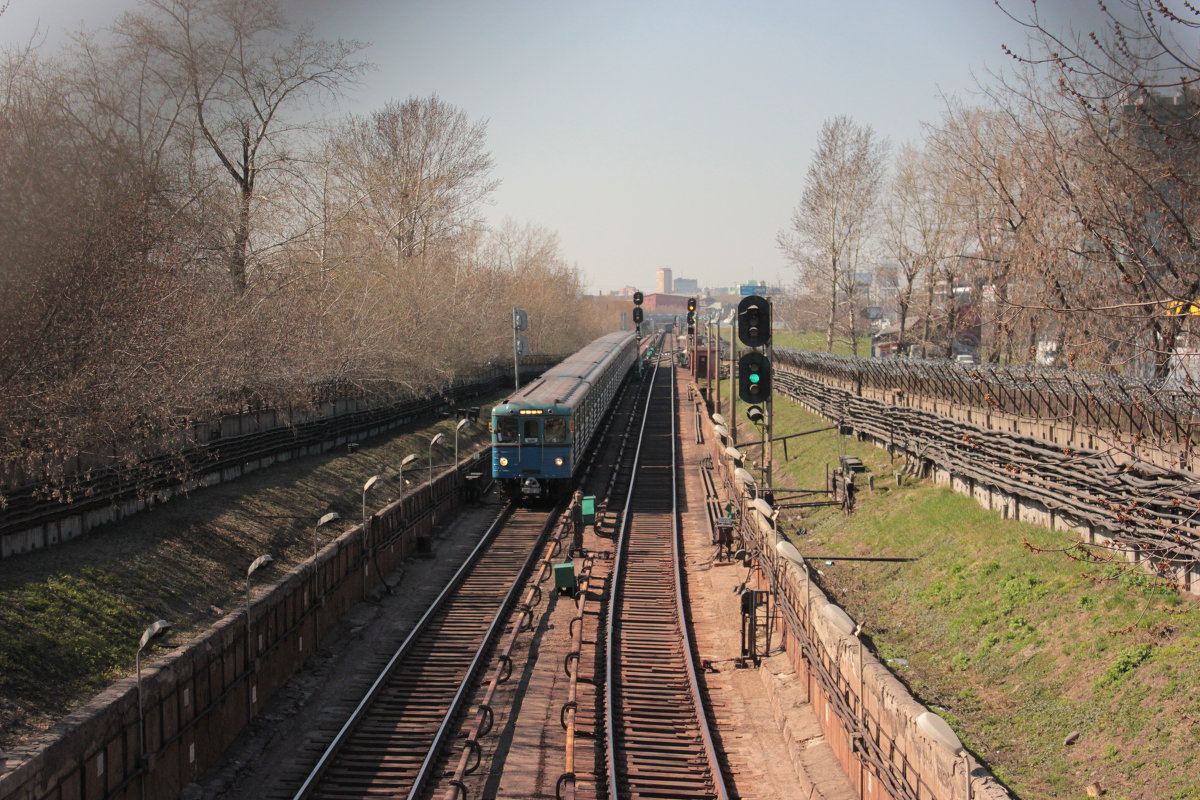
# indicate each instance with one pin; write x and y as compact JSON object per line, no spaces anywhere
{"x":687,"y":286}
{"x":759,"y":288}
{"x":662,"y":304}
{"x":623,"y":292}
{"x":662,"y":281}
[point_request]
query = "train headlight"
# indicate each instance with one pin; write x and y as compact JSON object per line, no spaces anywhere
{"x":558,"y":462}
{"x":503,"y":461}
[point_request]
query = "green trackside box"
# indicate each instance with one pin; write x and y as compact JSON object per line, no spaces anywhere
{"x":564,"y":577}
{"x":588,"y":506}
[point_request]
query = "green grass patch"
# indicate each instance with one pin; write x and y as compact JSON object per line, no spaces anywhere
{"x":815,"y":341}
{"x":1021,"y":648}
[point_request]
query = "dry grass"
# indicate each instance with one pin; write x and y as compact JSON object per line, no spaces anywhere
{"x":70,"y":616}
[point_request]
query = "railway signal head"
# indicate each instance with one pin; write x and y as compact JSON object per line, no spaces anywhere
{"x":692,"y":306}
{"x":754,"y":377}
{"x":637,"y":298}
{"x":638,"y":315}
{"x":754,"y":321}
{"x":756,"y":415}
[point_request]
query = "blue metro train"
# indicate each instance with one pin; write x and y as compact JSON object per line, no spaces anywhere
{"x":540,"y":434}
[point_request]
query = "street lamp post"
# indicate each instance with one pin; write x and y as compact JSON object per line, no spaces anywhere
{"x":462,"y":423}
{"x":437,"y":439}
{"x":153,"y":633}
{"x":368,"y":486}
{"x":366,"y":533}
{"x":261,"y":562}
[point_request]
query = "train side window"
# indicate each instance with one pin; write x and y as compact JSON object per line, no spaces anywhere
{"x":556,"y":430}
{"x":506,"y":429}
{"x":531,"y":431}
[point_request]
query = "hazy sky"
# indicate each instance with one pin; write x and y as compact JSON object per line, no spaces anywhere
{"x":652,"y":134}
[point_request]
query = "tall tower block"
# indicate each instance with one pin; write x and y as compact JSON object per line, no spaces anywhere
{"x":662,"y":281}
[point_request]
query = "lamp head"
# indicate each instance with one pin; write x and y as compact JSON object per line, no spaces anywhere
{"x":764,"y":508}
{"x":937,"y":729}
{"x":258,"y":563}
{"x":408,"y":459}
{"x":156,"y":630}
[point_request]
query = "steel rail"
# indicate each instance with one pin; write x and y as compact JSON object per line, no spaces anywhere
{"x":565,"y":787}
{"x":710,"y":747}
{"x":610,"y":715}
{"x":344,"y":734}
{"x":673,"y":767}
{"x":498,"y":622}
{"x":485,"y":716}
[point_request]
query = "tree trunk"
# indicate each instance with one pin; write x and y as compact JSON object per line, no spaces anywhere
{"x":832,"y":319}
{"x":241,"y":242}
{"x":928,"y":319}
{"x":853,"y":326}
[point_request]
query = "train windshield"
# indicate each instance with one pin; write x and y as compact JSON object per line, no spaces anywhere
{"x":506,"y":429}
{"x":556,"y":430}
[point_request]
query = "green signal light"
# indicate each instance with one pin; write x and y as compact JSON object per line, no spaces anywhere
{"x":755,"y":377}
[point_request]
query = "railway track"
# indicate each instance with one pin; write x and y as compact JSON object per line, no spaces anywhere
{"x":657,"y":738}
{"x":392,"y":743}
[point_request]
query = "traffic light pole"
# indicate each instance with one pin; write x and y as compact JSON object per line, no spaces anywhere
{"x":708,"y":357}
{"x":733,"y":383}
{"x":516,"y":354}
{"x":770,"y":471}
{"x":717,"y":342}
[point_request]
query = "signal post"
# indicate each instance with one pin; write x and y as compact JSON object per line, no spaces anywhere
{"x":754,"y":372}
{"x":638,"y":316}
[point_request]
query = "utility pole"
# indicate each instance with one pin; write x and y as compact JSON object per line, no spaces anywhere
{"x":520,"y":322}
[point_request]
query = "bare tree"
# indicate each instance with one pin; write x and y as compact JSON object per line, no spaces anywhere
{"x":1118,"y":111}
{"x":920,"y":232}
{"x":232,"y":66}
{"x":832,"y":225}
{"x":419,"y":171}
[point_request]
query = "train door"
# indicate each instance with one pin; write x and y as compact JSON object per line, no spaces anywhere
{"x":531,"y":444}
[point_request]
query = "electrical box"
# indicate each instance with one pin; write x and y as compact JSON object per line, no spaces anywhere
{"x":564,"y":577}
{"x":588,"y":507}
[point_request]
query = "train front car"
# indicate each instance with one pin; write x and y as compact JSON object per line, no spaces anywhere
{"x":539,"y":435}
{"x":531,"y":448}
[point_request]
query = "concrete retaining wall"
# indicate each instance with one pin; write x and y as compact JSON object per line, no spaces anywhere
{"x":198,"y":699}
